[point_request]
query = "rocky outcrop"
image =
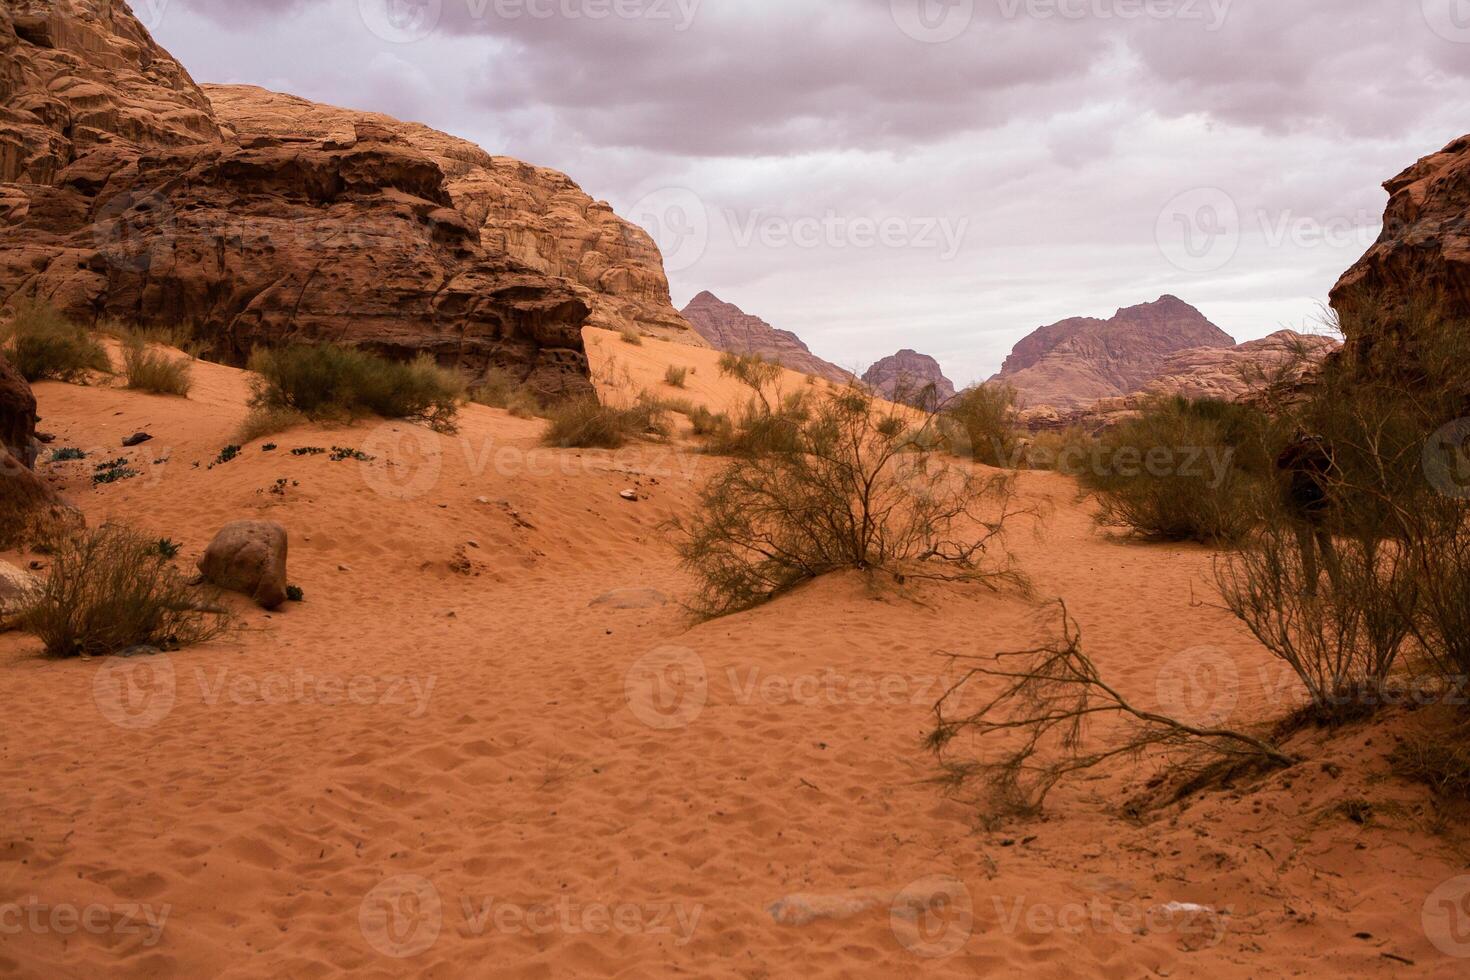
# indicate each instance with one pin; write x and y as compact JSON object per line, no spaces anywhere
{"x":729,"y":328}
{"x":1425,"y":243}
{"x":1076,"y":362}
{"x":911,"y":377}
{"x":265,"y":219}
{"x":29,"y":507}
{"x":1237,"y":373}
{"x":17,"y":412}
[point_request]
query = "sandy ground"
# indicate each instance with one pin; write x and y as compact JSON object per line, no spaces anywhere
{"x":462,"y":756}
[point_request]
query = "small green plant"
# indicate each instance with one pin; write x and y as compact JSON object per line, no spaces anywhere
{"x":226,"y":455}
{"x":111,"y":589}
{"x":148,"y":369}
{"x":675,"y":377}
{"x":330,"y":381}
{"x":340,"y":453}
{"x":113,"y":471}
{"x":168,"y":548}
{"x":67,"y":454}
{"x":269,"y":447}
{"x":308,"y":451}
{"x":44,"y":345}
{"x":295,"y":594}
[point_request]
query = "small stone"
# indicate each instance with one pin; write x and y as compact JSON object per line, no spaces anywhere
{"x":629,"y":495}
{"x":482,"y":500}
{"x":344,"y":568}
{"x":136,"y":439}
{"x":473,"y":543}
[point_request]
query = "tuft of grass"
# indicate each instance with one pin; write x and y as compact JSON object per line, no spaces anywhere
{"x":149,"y":369}
{"x":674,"y":377}
{"x":112,"y":588}
{"x":585,"y":423}
{"x":331,"y":381}
{"x":44,"y":345}
{"x":264,"y":421}
{"x":498,"y":389}
{"x":631,"y":336}
{"x":67,"y":454}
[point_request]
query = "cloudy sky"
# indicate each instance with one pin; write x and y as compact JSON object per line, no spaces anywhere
{"x":945,"y":175}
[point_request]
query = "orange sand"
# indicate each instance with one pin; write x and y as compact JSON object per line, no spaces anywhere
{"x":449,"y":762}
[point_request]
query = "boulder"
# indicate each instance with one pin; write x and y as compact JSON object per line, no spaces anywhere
{"x":248,"y":557}
{"x":15,"y":587}
{"x":29,"y":508}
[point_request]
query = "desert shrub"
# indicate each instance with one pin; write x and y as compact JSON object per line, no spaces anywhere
{"x":706,"y":423}
{"x":985,"y":416}
{"x":1036,"y":711}
{"x":586,"y":423}
{"x":500,"y":389}
{"x":674,"y":376}
{"x":631,"y":336}
{"x":751,"y":370}
{"x":112,"y":588}
{"x":150,"y":369}
{"x":1065,"y":450}
{"x":1184,"y":471}
{"x":43,"y":344}
{"x":855,"y":489}
{"x":1439,"y":757}
{"x":264,"y":420}
{"x":323,"y":381}
{"x":769,"y":420}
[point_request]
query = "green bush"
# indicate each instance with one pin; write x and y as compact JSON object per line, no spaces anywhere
{"x":326,"y":381}
{"x":1184,"y":471}
{"x":112,"y":588}
{"x":985,"y":417}
{"x":149,"y":369}
{"x":43,"y":344}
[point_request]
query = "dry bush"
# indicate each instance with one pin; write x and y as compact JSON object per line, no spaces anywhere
{"x":263,"y":421}
{"x":112,"y":588}
{"x":631,"y":336}
{"x":675,"y":377}
{"x":150,"y":369}
{"x":586,"y":423}
{"x":769,"y":420}
{"x":1065,"y":450}
{"x":1036,"y":726}
{"x":857,"y":487}
{"x":985,"y":415}
{"x":500,"y":389}
{"x":1184,"y":471}
{"x":1439,"y":757}
{"x":44,"y":345}
{"x":710,"y":424}
{"x":330,"y":381}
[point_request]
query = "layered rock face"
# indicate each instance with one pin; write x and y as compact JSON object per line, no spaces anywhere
{"x":1076,"y":362}
{"x":1235,"y":373}
{"x":268,"y":219}
{"x":907,"y":377}
{"x":729,"y":328}
{"x":1425,"y":243}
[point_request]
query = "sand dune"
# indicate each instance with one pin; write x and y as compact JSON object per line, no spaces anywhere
{"x":452,"y":759}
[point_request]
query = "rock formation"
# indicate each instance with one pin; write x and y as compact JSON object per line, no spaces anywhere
{"x":249,"y":557}
{"x":1235,"y":373}
{"x":1425,"y":243}
{"x":28,"y":505}
{"x":131,"y":194}
{"x":907,"y":377}
{"x":729,"y":328}
{"x":1076,"y":362}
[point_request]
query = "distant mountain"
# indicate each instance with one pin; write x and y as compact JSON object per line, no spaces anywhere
{"x":1076,"y":362}
{"x":729,"y":328}
{"x":906,"y":375}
